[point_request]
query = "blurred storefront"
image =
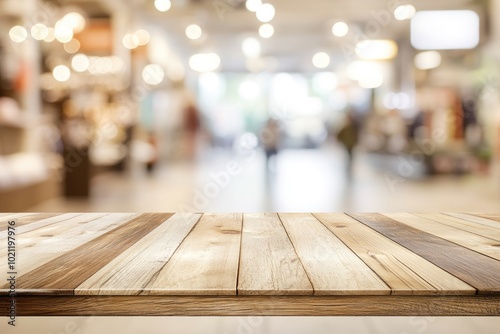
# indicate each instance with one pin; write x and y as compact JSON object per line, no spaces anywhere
{"x":95,"y":86}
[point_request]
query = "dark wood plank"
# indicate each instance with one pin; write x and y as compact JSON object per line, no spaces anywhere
{"x":340,"y":305}
{"x":477,"y":243}
{"x":63,"y":274}
{"x":133,"y":269}
{"x":401,"y":269}
{"x":479,"y":271}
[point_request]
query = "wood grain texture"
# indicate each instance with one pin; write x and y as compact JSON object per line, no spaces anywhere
{"x":206,"y":262}
{"x":255,"y":264}
{"x":64,"y":273}
{"x":477,"y":270}
{"x":485,"y":230}
{"x":491,"y":216}
{"x":268,"y":262}
{"x":131,"y":271}
{"x":21,"y":218}
{"x":478,"y":243}
{"x":479,"y":219}
{"x":402,"y":270}
{"x":33,"y":217}
{"x":37,"y":233}
{"x":330,"y":265}
{"x":44,"y":244}
{"x":44,"y":222}
{"x":255,"y":305}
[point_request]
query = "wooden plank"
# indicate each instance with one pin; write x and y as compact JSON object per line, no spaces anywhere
{"x":34,"y":217}
{"x":480,"y":244}
{"x":268,"y":262}
{"x":206,"y":263}
{"x":479,"y":229}
{"x":332,"y":268}
{"x":477,"y":270}
{"x":479,"y":219}
{"x":491,"y":216}
{"x":255,"y":306}
{"x":402,"y":270}
{"x":12,"y":216}
{"x":64,"y":273}
{"x":47,"y":243}
{"x":130,"y":272}
{"x":44,"y":222}
{"x":45,"y":229}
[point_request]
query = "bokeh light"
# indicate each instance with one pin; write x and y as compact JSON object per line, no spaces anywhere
{"x":18,"y":34}
{"x":153,"y":74}
{"x":61,"y":73}
{"x":193,"y":31}
{"x":321,"y":60}
{"x":204,"y":62}
{"x":80,"y":63}
{"x":39,"y":31}
{"x":163,"y":5}
{"x":340,"y":29}
{"x":266,"y":30}
{"x":265,"y":13}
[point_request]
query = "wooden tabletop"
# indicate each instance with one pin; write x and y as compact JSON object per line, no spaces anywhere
{"x":252,"y":264}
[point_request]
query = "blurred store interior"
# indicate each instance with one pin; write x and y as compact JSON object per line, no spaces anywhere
{"x":234,"y":105}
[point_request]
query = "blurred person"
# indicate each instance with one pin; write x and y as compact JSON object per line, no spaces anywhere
{"x":270,"y":137}
{"x":348,"y":137}
{"x":153,"y":158}
{"x":191,"y":126}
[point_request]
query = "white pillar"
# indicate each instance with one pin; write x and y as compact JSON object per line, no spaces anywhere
{"x":30,"y":100}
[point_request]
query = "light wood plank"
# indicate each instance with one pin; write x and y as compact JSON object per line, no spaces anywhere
{"x":12,"y":216}
{"x":206,"y":263}
{"x":67,"y":271}
{"x":402,"y":270}
{"x":471,"y":267}
{"x":479,"y":219}
{"x":42,"y":245}
{"x":478,"y":243}
{"x":331,"y":266}
{"x":33,"y":217}
{"x":268,"y":262}
{"x":130,"y":272}
{"x":491,"y":216}
{"x":45,"y":229}
{"x":44,"y":222}
{"x":255,"y":306}
{"x":479,"y":229}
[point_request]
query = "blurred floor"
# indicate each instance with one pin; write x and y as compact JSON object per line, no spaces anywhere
{"x":301,"y":180}
{"x":255,"y":325}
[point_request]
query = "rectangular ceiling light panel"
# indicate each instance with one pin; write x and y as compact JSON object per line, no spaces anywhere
{"x":445,"y":30}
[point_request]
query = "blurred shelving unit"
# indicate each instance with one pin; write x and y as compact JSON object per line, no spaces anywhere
{"x":29,"y":173}
{"x":26,"y":177}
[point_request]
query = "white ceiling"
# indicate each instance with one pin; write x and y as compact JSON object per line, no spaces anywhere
{"x":302,"y":28}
